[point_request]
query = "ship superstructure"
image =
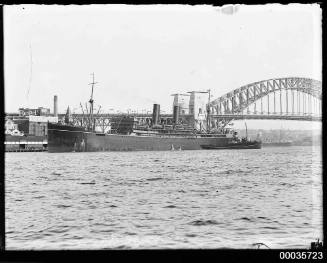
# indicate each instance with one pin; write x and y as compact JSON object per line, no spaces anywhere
{"x":189,"y":129}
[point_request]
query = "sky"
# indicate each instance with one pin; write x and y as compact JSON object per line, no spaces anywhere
{"x":140,"y":55}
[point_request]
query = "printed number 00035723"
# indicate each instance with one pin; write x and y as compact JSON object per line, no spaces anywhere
{"x":301,"y":255}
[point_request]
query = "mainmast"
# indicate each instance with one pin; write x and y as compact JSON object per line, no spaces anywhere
{"x":208,"y":113}
{"x":91,"y":101}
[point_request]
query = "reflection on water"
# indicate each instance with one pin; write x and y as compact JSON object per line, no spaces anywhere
{"x":181,"y":199}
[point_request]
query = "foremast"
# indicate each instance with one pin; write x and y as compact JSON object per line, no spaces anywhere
{"x":208,"y":113}
{"x":91,"y":101}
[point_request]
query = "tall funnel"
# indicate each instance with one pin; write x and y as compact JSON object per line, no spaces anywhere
{"x":176,"y":114}
{"x":68,"y":116}
{"x":155,"y":114}
{"x":55,"y":106}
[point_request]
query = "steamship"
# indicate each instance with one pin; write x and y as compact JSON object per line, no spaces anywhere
{"x":184,"y":132}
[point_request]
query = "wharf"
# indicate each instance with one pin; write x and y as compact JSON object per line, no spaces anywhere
{"x":26,"y":144}
{"x":27,"y":150}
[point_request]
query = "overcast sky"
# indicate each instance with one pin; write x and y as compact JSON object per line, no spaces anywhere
{"x":142,"y":54}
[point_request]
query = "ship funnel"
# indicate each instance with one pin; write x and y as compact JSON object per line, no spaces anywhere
{"x":68,"y":116}
{"x":156,"y":114}
{"x":176,"y":114}
{"x":55,"y":106}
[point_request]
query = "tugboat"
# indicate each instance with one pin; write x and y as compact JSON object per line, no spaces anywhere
{"x":243,"y":144}
{"x":236,"y":143}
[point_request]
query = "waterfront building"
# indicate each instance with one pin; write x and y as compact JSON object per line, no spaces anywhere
{"x":40,"y":111}
{"x":10,"y":127}
{"x":35,"y":125}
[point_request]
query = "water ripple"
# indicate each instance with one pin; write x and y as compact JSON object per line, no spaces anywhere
{"x":142,"y":200}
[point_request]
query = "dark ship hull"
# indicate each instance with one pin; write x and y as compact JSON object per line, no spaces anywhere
{"x":235,"y":145}
{"x":65,"y":138}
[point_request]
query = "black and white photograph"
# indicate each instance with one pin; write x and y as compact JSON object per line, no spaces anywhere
{"x":167,"y":126}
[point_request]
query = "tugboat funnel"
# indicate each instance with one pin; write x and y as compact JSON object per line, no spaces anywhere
{"x":155,"y":114}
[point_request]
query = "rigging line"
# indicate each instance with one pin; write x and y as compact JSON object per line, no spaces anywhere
{"x":31,"y":73}
{"x":260,"y":244}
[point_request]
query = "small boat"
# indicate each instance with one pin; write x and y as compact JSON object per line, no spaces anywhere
{"x":244,"y":144}
{"x":237,"y":143}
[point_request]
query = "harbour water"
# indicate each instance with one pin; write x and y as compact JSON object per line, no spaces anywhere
{"x":159,"y":200}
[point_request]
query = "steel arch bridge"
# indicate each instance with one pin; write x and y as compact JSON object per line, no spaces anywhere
{"x":297,"y":99}
{"x":301,"y":99}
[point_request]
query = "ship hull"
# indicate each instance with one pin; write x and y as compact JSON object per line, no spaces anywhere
{"x":238,"y":146}
{"x":66,"y":140}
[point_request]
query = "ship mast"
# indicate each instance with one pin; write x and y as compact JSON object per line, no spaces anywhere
{"x":208,"y":113}
{"x":91,"y":101}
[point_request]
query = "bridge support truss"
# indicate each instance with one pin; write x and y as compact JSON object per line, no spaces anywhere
{"x":283,"y":98}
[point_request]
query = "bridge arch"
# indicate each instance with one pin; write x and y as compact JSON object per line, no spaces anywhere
{"x":236,"y":101}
